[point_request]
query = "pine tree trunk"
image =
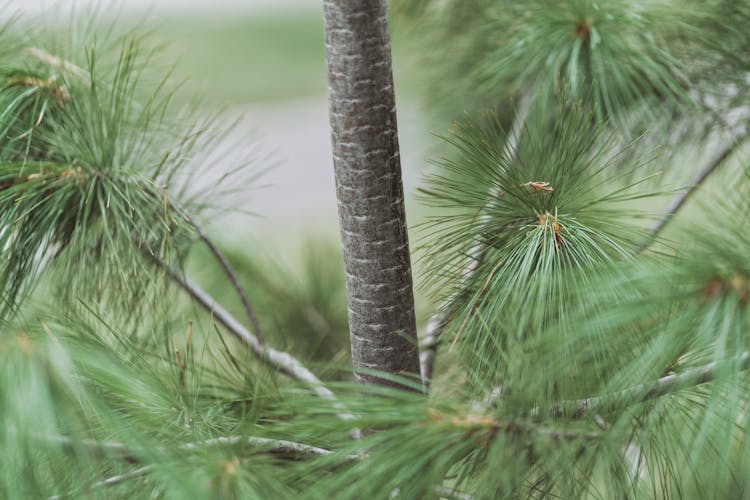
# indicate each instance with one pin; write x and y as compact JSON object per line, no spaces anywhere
{"x":369,"y":189}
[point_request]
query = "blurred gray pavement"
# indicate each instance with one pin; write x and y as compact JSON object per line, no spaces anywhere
{"x":299,"y":190}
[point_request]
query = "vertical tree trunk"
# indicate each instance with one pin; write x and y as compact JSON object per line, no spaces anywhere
{"x":369,"y":189}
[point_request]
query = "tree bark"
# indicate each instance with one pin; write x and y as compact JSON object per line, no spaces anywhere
{"x":369,"y":189}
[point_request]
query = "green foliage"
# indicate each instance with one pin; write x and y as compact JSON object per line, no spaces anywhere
{"x":83,"y":401}
{"x":630,"y":62}
{"x":86,"y":172}
{"x":588,"y":366}
{"x":532,"y":220}
{"x":673,"y":315}
{"x":616,"y":51}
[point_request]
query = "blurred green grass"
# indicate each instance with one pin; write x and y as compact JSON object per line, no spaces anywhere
{"x":265,"y":57}
{"x":235,"y":60}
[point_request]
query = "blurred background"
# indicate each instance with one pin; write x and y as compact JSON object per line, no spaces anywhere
{"x":262,"y":62}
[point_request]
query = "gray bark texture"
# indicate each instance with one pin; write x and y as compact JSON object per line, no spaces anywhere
{"x":369,"y":189}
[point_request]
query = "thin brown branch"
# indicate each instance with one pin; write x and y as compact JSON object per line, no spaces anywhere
{"x":681,"y":199}
{"x":226,"y":267}
{"x":282,"y":361}
{"x":230,"y":274}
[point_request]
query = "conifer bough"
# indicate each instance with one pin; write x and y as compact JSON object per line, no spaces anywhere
{"x":369,"y":189}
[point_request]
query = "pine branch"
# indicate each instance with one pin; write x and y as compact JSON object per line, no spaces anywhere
{"x":282,"y":361}
{"x":681,"y":199}
{"x":516,"y":427}
{"x":646,"y":392}
{"x":230,"y":274}
{"x":279,"y":446}
{"x":110,"y":481}
{"x":276,"y":446}
{"x":431,"y":340}
{"x":273,"y":445}
{"x":218,"y":255}
{"x":436,"y":324}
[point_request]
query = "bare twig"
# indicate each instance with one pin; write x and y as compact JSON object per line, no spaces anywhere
{"x":230,"y":274}
{"x":226,"y":267}
{"x":680,"y":200}
{"x":429,"y":346}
